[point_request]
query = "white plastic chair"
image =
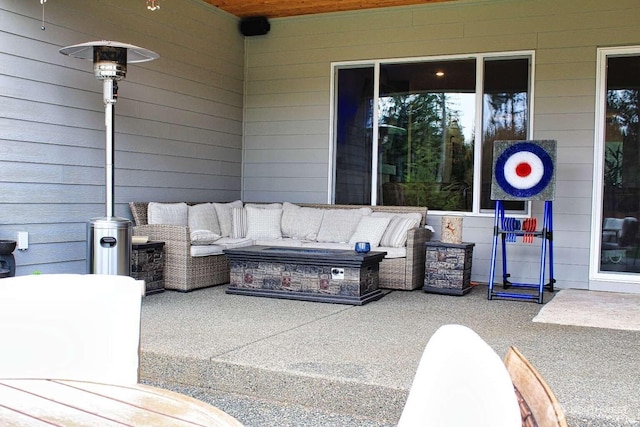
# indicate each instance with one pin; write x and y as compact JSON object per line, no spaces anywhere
{"x":460,"y":382}
{"x":70,"y":327}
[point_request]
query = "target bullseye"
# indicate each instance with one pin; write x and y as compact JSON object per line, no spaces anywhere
{"x":523,"y":170}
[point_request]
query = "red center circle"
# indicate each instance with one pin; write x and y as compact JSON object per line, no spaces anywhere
{"x":523,"y":169}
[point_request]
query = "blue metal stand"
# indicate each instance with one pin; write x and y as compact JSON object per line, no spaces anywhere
{"x":504,"y":228}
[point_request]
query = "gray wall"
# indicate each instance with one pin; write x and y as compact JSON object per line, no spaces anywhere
{"x":287,"y":119}
{"x":178,"y":119}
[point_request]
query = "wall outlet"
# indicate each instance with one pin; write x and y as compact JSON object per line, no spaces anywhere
{"x":23,"y":240}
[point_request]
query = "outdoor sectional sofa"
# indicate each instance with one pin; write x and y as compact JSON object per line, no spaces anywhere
{"x":196,"y":234}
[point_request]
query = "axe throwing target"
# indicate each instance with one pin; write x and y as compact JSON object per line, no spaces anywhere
{"x":524,"y":170}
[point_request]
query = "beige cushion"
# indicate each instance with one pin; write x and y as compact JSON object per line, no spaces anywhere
{"x":263,"y":223}
{"x":204,"y":217}
{"x":168,"y":213}
{"x":204,"y":237}
{"x":300,"y":223}
{"x":396,"y":234}
{"x":338,"y":225}
{"x":370,"y":229}
{"x":225,"y":216}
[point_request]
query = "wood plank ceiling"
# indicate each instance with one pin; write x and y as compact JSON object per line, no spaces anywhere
{"x":284,"y":8}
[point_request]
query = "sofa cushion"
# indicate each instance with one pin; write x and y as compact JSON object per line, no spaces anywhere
{"x":238,"y":223}
{"x":263,"y":223}
{"x":338,"y":225}
{"x":203,"y":217}
{"x":204,"y":237}
{"x":168,"y":213}
{"x":219,"y":247}
{"x":370,"y":229}
{"x":300,"y":223}
{"x":225,"y":216}
{"x":391,"y":252}
{"x":396,"y":233}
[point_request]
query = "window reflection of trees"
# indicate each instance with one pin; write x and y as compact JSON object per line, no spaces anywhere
{"x":421,"y":138}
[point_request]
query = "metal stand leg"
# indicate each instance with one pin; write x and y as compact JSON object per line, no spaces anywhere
{"x":546,"y":234}
{"x":494,"y":248}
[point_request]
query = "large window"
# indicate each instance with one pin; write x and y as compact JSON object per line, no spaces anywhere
{"x":406,"y":133}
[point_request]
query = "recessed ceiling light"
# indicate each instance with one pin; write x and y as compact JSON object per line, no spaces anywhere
{"x":439,"y":73}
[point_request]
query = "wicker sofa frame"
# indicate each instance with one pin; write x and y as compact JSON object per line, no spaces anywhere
{"x":184,"y":272}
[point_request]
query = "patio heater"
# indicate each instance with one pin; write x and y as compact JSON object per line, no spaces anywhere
{"x":109,"y":237}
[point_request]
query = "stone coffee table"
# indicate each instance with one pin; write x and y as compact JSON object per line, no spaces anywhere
{"x":323,"y":275}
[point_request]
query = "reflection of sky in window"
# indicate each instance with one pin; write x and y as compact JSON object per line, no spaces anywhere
{"x":465,"y":104}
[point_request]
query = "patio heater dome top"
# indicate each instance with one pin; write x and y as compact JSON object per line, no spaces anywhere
{"x":109,"y":58}
{"x":85,"y":51}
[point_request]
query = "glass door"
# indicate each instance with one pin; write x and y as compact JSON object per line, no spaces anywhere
{"x":618,"y":166}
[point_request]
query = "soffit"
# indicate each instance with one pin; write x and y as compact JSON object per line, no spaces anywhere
{"x":285,"y":8}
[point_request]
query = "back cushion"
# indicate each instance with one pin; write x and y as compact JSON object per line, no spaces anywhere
{"x":396,"y":234}
{"x":263,"y":224}
{"x":204,"y":217}
{"x":338,"y":225}
{"x":225,"y":216}
{"x":168,"y":213}
{"x":300,"y":223}
{"x":370,"y":229}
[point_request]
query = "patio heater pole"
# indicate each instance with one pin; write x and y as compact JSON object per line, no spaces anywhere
{"x":109,"y":101}
{"x":109,"y":238}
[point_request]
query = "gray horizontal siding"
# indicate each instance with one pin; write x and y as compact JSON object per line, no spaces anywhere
{"x":178,"y":126}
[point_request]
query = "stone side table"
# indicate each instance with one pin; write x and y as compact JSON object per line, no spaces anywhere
{"x":448,"y":268}
{"x":147,"y":263}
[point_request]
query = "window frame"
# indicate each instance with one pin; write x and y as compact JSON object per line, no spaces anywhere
{"x":477,"y":172}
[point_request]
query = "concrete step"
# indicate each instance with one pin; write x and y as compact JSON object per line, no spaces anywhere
{"x":359,"y":361}
{"x":326,"y":395}
{"x":254,"y":412}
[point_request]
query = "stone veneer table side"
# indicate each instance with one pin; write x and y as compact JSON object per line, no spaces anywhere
{"x":322,"y":275}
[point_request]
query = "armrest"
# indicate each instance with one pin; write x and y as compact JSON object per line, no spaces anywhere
{"x":176,"y":234}
{"x":416,"y":238}
{"x":414,"y":270}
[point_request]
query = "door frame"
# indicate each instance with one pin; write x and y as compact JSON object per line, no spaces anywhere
{"x":612,"y":281}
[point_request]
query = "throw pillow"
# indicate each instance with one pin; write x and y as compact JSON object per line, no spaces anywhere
{"x":239,"y":223}
{"x":370,"y":229}
{"x":203,"y":237}
{"x":225,"y":216}
{"x":338,"y":225}
{"x":396,"y":234}
{"x":167,"y":213}
{"x":263,"y":224}
{"x":204,"y":217}
{"x":300,"y":223}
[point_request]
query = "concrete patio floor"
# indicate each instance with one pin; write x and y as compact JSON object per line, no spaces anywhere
{"x":274,"y":362}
